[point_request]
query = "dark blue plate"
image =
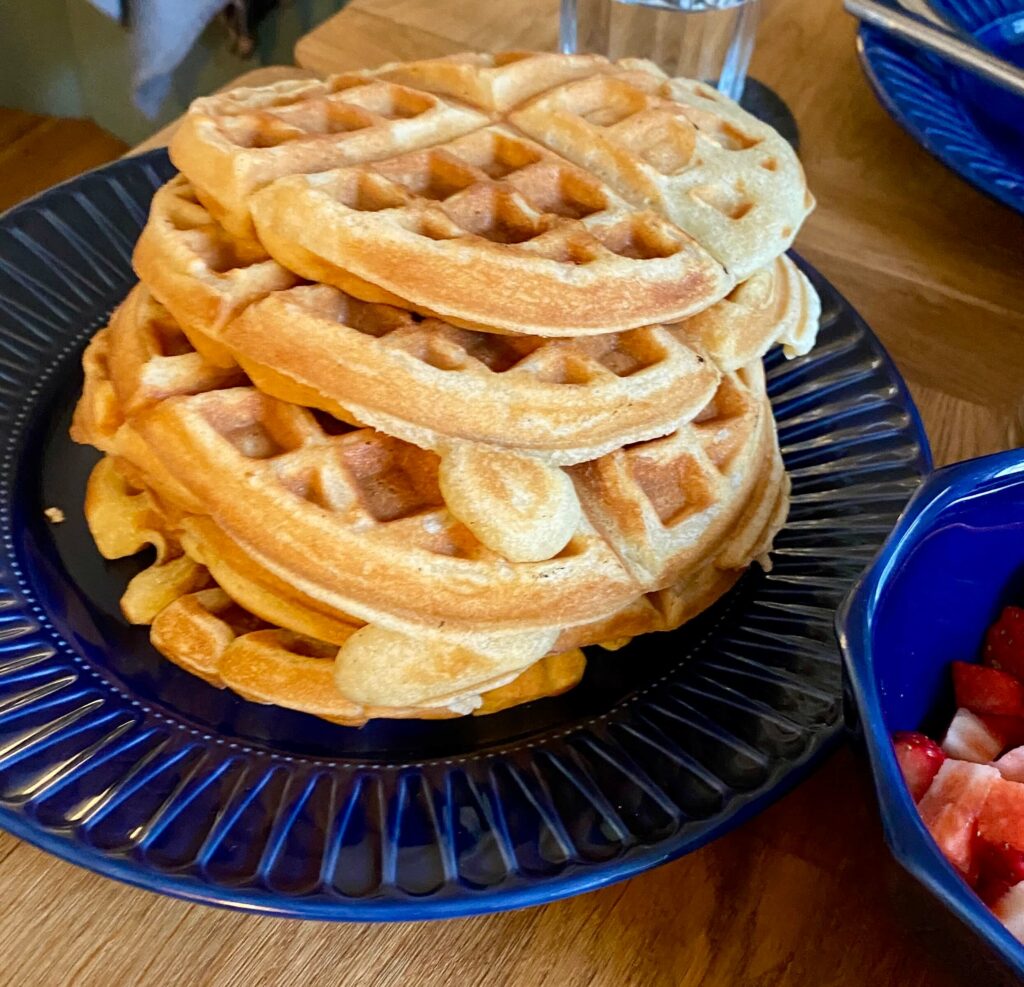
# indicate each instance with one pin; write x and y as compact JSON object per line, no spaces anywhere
{"x":115,"y":759}
{"x":997,"y":26}
{"x":921,"y":93}
{"x":972,"y":16}
{"x":954,"y":560}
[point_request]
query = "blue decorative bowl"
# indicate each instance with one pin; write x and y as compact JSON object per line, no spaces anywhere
{"x":924,"y":97}
{"x":955,"y":558}
{"x":998,"y":27}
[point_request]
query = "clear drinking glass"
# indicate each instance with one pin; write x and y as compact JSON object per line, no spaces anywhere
{"x":700,"y":39}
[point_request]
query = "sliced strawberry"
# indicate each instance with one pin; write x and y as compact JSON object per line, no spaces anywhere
{"x":987,"y":690}
{"x":973,"y":872}
{"x":1002,"y":818}
{"x":1011,"y":765}
{"x":951,"y":807}
{"x":1009,"y":909}
{"x":1008,"y":729}
{"x":919,"y":758}
{"x":1004,"y":643}
{"x":970,"y":739}
{"x":1000,"y":867}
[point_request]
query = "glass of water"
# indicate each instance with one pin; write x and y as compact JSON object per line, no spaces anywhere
{"x":710,"y":40}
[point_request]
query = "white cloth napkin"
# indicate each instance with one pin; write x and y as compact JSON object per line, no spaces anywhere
{"x":112,"y":8}
{"x":162,"y":32}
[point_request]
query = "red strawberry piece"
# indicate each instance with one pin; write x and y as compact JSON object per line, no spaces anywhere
{"x":1011,"y":765}
{"x":951,"y":807}
{"x":1002,"y":818}
{"x":990,"y":889}
{"x":973,"y":872}
{"x":1000,"y":867}
{"x":1008,"y":729}
{"x":968,"y":738}
{"x":1004,"y":643}
{"x":919,"y":758}
{"x":987,"y":690}
{"x":1009,"y":909}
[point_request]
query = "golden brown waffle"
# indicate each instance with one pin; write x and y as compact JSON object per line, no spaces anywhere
{"x":437,"y":385}
{"x":203,"y":276}
{"x":143,"y":345}
{"x":665,"y":609}
{"x":367,"y":531}
{"x":151,"y":357}
{"x":490,"y":231}
{"x":212,"y":637}
{"x":749,"y":539}
{"x":775,"y":305}
{"x":678,"y":145}
{"x":493,"y":82}
{"x":662,"y":503}
{"x":200,"y":627}
{"x":232,"y":144}
{"x":682,"y":148}
{"x":358,"y":511}
{"x":437,"y":175}
{"x":241,"y":459}
{"x":359,"y":490}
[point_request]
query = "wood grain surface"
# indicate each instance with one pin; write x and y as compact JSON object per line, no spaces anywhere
{"x":804,"y":895}
{"x":39,"y":151}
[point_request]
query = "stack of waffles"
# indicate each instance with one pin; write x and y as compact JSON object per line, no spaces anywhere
{"x":440,"y":372}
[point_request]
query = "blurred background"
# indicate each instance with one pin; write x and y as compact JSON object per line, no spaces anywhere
{"x":133,"y":65}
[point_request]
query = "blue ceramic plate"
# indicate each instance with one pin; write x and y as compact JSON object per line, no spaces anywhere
{"x":115,"y":759}
{"x":954,"y":560}
{"x":922,"y":95}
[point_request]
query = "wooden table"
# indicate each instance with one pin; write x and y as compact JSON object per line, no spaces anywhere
{"x":803,"y":895}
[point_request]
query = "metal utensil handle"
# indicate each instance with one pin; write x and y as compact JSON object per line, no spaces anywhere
{"x":909,"y":28}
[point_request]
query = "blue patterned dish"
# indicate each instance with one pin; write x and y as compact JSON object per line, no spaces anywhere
{"x":997,"y":25}
{"x":952,"y":562}
{"x":921,"y":94}
{"x":972,"y":16}
{"x":116,"y":760}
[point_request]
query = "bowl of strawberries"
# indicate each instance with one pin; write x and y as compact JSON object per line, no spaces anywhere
{"x":933,"y":645}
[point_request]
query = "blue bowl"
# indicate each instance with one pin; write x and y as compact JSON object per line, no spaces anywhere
{"x":955,"y":558}
{"x":998,"y":27}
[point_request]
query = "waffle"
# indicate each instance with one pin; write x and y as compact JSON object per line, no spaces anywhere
{"x":123,"y":518}
{"x":232,"y":144}
{"x":749,"y":539}
{"x":490,"y":231}
{"x":203,"y":276}
{"x":209,"y":635}
{"x":437,"y":385}
{"x":493,"y":82}
{"x":143,"y":345}
{"x":367,"y":529}
{"x":199,"y":626}
{"x":142,"y":357}
{"x":429,"y":164}
{"x":239,"y":459}
{"x":682,"y":148}
{"x":355,"y":493}
{"x":520,"y":411}
{"x":660,"y":504}
{"x":776,"y":305}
